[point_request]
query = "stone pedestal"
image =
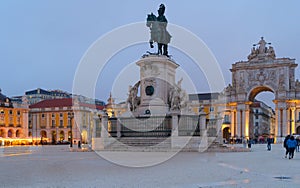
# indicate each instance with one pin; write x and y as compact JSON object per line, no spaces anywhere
{"x":157,"y":76}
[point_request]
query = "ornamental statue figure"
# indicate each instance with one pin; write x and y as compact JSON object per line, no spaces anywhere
{"x":158,"y":30}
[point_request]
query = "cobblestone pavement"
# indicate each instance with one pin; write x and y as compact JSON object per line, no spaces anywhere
{"x":56,"y":166}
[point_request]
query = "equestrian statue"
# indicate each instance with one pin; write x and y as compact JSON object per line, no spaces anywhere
{"x":158,"y":30}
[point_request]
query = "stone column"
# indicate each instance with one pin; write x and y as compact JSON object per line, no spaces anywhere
{"x":202,"y":123}
{"x":104,"y":123}
{"x":285,"y":122}
{"x":247,"y":121}
{"x":118,"y":128}
{"x":277,"y":122}
{"x":233,"y":123}
{"x":94,"y":128}
{"x":293,"y":120}
{"x":239,"y":122}
{"x":174,"y":124}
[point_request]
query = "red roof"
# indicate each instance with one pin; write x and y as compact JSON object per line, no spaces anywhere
{"x":65,"y":102}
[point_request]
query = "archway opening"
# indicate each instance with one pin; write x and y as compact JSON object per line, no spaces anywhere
{"x":226,"y":134}
{"x":61,"y":135}
{"x":2,"y":133}
{"x":10,"y":133}
{"x":44,"y":134}
{"x":18,"y":133}
{"x":262,"y":113}
{"x":84,"y":136}
{"x":298,"y":130}
{"x":53,"y":135}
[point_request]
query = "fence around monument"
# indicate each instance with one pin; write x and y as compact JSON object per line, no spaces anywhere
{"x":157,"y":126}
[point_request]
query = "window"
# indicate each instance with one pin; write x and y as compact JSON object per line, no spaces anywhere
{"x":256,"y":111}
{"x":10,"y":112}
{"x":256,"y":116}
{"x":211,"y":109}
{"x":53,"y":123}
{"x":256,"y":124}
{"x":53,"y":115}
{"x":43,"y":115}
{"x":18,"y":113}
{"x":61,"y":123}
{"x":61,"y":115}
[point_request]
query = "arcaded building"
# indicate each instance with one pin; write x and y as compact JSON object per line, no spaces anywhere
{"x":57,"y":120}
{"x":13,"y":120}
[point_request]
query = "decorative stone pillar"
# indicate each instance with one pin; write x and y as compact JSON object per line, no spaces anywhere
{"x":293,"y":120}
{"x":104,"y":127}
{"x":96,"y":124}
{"x":118,"y":129}
{"x":202,"y":123}
{"x":233,"y":123}
{"x":285,"y":122}
{"x":174,"y":124}
{"x":247,"y":121}
{"x":240,"y":121}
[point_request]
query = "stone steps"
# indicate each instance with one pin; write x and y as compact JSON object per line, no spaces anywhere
{"x":140,"y":144}
{"x":166,"y":144}
{"x":149,"y":144}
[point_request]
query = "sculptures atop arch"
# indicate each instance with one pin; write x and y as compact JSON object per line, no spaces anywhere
{"x":262,"y":51}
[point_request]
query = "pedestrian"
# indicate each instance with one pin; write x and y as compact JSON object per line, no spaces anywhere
{"x":291,"y":144}
{"x":269,"y":142}
{"x":298,"y":143}
{"x":79,"y":144}
{"x":285,"y":145}
{"x":249,"y":143}
{"x":244,"y":142}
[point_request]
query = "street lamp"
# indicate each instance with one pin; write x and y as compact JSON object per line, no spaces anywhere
{"x":71,"y":116}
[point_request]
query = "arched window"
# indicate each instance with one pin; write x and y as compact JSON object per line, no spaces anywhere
{"x":10,"y":133}
{"x":18,"y":133}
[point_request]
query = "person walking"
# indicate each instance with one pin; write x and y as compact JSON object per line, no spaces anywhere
{"x":298,"y":143}
{"x":244,"y":142}
{"x":249,"y":143}
{"x":285,"y":145}
{"x":269,"y":142}
{"x":291,"y":144}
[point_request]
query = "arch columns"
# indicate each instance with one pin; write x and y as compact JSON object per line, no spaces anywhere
{"x":293,"y":119}
{"x":281,"y":127}
{"x":233,"y":125}
{"x":243,"y":119}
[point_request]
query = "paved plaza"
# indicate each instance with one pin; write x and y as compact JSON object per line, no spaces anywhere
{"x":56,"y":166}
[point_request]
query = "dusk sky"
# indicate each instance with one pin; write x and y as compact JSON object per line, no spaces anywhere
{"x":42,"y":42}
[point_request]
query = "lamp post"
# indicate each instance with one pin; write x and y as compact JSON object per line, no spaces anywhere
{"x":71,"y":116}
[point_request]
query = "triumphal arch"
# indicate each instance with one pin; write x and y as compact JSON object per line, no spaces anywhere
{"x":263,"y":71}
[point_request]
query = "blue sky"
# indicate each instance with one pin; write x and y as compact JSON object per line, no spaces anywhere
{"x":42,"y":42}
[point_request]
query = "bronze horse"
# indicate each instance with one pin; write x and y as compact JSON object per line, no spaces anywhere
{"x":159,"y":33}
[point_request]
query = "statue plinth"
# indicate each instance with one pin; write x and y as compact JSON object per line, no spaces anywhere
{"x":157,"y":77}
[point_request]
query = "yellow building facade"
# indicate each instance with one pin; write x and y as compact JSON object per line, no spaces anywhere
{"x":57,"y":120}
{"x":13,"y":121}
